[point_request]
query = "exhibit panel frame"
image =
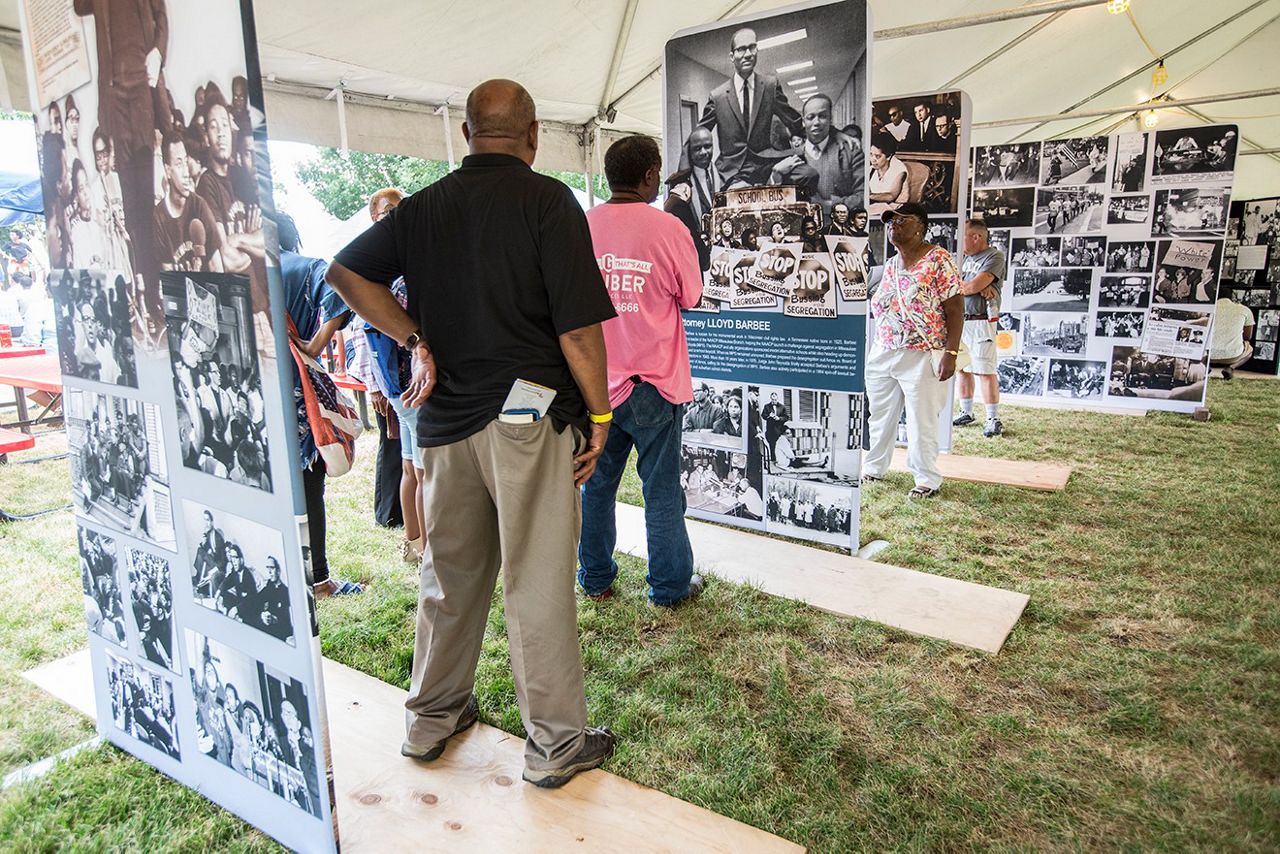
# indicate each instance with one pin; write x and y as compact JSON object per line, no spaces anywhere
{"x":179,"y":402}
{"x":1115,"y":247}
{"x":1251,"y":263}
{"x":773,"y":439}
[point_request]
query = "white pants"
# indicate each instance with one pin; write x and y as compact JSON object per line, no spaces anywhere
{"x":895,"y":378}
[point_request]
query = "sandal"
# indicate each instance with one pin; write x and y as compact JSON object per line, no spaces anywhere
{"x":870,"y":478}
{"x":922,"y":492}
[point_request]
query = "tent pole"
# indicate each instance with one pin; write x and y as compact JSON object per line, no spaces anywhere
{"x":1011,"y":14}
{"x":589,"y":162}
{"x":443,"y":111}
{"x":1134,"y":108}
{"x":620,"y":47}
{"x":340,"y":96}
{"x":1000,"y":51}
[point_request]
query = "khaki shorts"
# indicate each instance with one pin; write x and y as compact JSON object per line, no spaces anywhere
{"x":979,"y":337}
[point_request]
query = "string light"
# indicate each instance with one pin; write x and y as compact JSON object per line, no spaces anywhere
{"x":1159,"y":77}
{"x":1117,"y":7}
{"x":1150,"y":119}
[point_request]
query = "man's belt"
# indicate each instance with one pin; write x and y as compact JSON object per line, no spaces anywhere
{"x":976,"y":317}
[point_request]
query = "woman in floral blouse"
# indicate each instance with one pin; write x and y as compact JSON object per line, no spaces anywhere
{"x":918,"y":310}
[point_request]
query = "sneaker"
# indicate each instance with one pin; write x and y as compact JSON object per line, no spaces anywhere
{"x":962,"y":419}
{"x":600,"y":597}
{"x":696,"y":585}
{"x":426,"y":753}
{"x":993,"y":428}
{"x":596,"y":748}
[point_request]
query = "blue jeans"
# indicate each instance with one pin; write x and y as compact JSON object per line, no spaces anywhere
{"x":647,"y":421}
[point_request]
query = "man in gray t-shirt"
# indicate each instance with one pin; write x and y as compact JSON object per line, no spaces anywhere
{"x":983,"y":272}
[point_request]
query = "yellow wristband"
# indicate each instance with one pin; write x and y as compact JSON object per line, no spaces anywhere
{"x":601,"y":419}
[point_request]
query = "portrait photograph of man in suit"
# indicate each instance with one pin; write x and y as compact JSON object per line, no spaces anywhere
{"x":742,"y":86}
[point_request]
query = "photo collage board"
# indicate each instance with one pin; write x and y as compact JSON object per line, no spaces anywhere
{"x":178,"y":406}
{"x":776,"y":196}
{"x":919,"y":152}
{"x":1115,"y":246}
{"x":1251,"y":264}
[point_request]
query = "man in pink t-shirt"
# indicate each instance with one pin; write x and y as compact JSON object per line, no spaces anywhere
{"x":650,"y":268}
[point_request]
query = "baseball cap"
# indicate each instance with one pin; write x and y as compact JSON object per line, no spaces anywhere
{"x":907,"y":209}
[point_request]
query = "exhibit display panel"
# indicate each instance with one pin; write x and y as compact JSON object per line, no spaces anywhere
{"x":1251,"y":263}
{"x":919,"y":152}
{"x":1114,"y":247}
{"x":179,"y":401}
{"x":768,"y":115}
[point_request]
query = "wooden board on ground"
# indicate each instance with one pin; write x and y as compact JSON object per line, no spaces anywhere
{"x":472,"y":797}
{"x":1050,"y":477}
{"x":70,"y":679}
{"x":964,"y":613}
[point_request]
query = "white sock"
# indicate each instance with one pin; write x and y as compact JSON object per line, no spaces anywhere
{"x":966,"y":405}
{"x":993,"y":410}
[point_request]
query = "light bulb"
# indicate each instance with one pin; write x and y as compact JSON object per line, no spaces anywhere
{"x":1159,"y":76}
{"x":1150,"y":119}
{"x":1117,"y":7}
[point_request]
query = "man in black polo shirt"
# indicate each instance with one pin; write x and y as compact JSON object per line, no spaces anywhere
{"x":502,"y":286}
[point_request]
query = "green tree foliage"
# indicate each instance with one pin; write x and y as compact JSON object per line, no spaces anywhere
{"x":344,"y":182}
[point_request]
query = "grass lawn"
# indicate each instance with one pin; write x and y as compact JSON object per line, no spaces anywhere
{"x":1136,"y":705}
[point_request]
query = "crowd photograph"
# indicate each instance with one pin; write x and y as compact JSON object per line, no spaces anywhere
{"x":1036,"y":252}
{"x":1119,"y":324}
{"x":1008,"y":165}
{"x":1074,"y":161}
{"x":1190,"y":212}
{"x":236,"y":569}
{"x":151,"y":600}
{"x":142,"y":705}
{"x":1076,"y":378}
{"x":1129,"y":210}
{"x":103,"y":607}
{"x":1124,"y":292}
{"x":253,"y":720}
{"x":1131,"y":256}
{"x":820,"y":510}
{"x":1185,"y":154}
{"x":94,"y":325}
{"x":1069,"y":210}
{"x":216,"y":377}
{"x":119,"y":476}
{"x":1083,"y":251}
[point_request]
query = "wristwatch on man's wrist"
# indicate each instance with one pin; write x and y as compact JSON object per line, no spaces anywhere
{"x":414,"y":339}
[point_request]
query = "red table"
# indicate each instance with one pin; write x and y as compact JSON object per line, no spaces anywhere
{"x":31,"y":373}
{"x":19,"y":352}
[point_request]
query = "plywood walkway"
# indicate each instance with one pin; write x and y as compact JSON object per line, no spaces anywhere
{"x":964,"y":613}
{"x":472,"y":797}
{"x":1050,"y":477}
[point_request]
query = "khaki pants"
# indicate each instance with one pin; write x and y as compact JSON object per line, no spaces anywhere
{"x":894,"y":379}
{"x":503,"y":497}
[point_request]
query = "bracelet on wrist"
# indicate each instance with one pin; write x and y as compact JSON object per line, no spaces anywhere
{"x":601,"y":419}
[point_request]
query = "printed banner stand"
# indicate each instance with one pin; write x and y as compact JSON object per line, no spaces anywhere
{"x":1251,"y":263}
{"x":1115,"y":247}
{"x":185,"y":468}
{"x":773,"y":439}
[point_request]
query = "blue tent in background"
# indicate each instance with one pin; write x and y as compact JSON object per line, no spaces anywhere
{"x":20,"y":198}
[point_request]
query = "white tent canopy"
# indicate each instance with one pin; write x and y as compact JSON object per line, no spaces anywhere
{"x":596,"y":65}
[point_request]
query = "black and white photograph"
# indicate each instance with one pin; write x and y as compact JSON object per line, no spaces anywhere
{"x":1124,"y":292}
{"x":1197,"y":153}
{"x":813,"y":291}
{"x":1007,"y":208}
{"x":798,"y":427}
{"x":1021,"y":375}
{"x":1069,"y":210}
{"x":715,"y":416}
{"x":1054,"y":334}
{"x":104,"y":610}
{"x":1268,"y":325}
{"x":1265,"y":351}
{"x":803,"y":107}
{"x":237,"y":569}
{"x":151,"y":600}
{"x":1036,"y":252}
{"x":1074,"y":161}
{"x":119,"y":473}
{"x":1256,"y":298}
{"x":1008,"y":165}
{"x":1119,"y":324}
{"x":924,"y":133}
{"x":720,"y":482}
{"x":999,"y":238}
{"x":941,"y":231}
{"x":217,"y":381}
{"x":94,"y":326}
{"x":809,"y":509}
{"x":1138,"y":374}
{"x":751,"y":227}
{"x":254,"y":720}
{"x":1129,"y":165}
{"x":1083,"y":251}
{"x":142,"y":705}
{"x":1177,"y":332}
{"x":1259,"y":222}
{"x":1076,"y":378}
{"x":1190,"y":212}
{"x":1055,"y":289}
{"x":1130,"y":256}
{"x":1187,"y":271}
{"x":1129,"y":210}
